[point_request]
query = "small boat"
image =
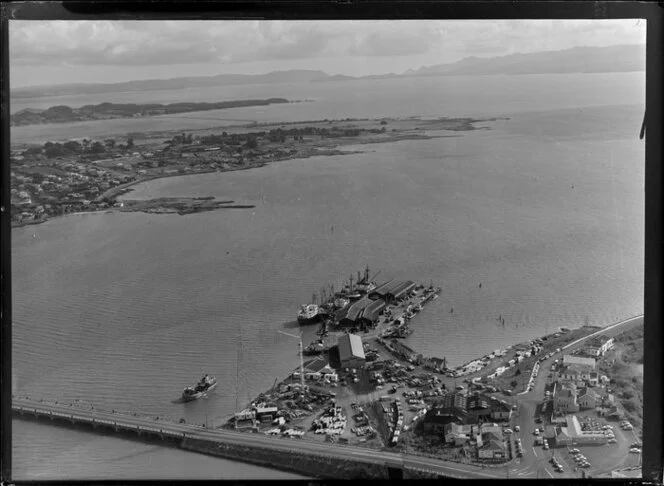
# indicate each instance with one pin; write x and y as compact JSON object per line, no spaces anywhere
{"x":205,"y":384}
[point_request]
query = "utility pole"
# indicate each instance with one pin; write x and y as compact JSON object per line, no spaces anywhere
{"x":237,"y":372}
{"x":301,"y":356}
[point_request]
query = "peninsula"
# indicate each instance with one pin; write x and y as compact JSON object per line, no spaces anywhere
{"x":107,"y":111}
{"x":71,"y":176}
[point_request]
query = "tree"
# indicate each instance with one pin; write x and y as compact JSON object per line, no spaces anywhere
{"x":86,"y":144}
{"x":513,"y":383}
{"x":97,"y":148}
{"x":130,"y":143}
{"x":74,"y":146}
{"x":110,"y":143}
{"x":34,"y":151}
{"x":518,"y":372}
{"x":55,"y":150}
{"x":251,"y":143}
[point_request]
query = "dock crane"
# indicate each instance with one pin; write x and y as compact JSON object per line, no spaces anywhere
{"x":299,"y":338}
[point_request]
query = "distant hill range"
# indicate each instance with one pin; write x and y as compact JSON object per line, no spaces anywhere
{"x":623,"y":58}
{"x":619,"y":58}
{"x":107,"y":111}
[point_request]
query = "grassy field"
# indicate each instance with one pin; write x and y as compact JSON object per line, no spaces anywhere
{"x":623,"y":364}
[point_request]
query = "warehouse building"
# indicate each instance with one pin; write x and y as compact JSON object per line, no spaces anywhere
{"x":353,"y":314}
{"x":392,"y":291}
{"x":351,"y":351}
{"x":371,"y":313}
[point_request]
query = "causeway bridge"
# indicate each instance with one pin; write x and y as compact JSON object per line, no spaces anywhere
{"x":215,"y":440}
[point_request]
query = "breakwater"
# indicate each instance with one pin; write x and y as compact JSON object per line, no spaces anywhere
{"x":309,"y":464}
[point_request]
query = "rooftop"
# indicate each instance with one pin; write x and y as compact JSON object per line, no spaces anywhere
{"x":350,"y":345}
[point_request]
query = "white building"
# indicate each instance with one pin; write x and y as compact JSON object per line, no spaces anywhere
{"x":571,"y":359}
{"x":351,"y":351}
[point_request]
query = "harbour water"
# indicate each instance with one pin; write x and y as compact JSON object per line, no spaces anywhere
{"x":122,"y":310}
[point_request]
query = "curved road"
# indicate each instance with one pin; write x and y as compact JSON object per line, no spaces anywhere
{"x":535,"y":460}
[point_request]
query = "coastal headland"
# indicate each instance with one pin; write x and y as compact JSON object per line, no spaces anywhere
{"x":84,"y":175}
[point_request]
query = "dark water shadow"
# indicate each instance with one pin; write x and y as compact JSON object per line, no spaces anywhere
{"x":291,"y":325}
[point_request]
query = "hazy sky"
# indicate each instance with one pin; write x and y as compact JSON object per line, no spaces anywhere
{"x":59,"y":52}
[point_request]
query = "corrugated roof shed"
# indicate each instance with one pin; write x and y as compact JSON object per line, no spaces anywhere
{"x":372,"y":311}
{"x":402,"y":288}
{"x":350,"y":345}
{"x":355,"y":310}
{"x":383,"y":289}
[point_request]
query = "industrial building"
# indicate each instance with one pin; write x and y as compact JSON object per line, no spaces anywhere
{"x":571,"y":434}
{"x":351,"y":351}
{"x":392,"y":291}
{"x":363,"y":313}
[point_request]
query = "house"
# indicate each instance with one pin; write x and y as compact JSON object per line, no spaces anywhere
{"x":565,"y":398}
{"x":599,"y":345}
{"x":436,"y":418}
{"x":455,"y":400}
{"x":569,"y":359}
{"x":614,"y":413}
{"x":491,"y":446}
{"x":266,"y":414}
{"x":351,"y":351}
{"x":576,"y":373}
{"x":492,"y":450}
{"x":500,"y":410}
{"x":458,"y":434}
{"x":478,"y":406}
{"x":436,"y":364}
{"x":588,"y":398}
{"x":318,"y":369}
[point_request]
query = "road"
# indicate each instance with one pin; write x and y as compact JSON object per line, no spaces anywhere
{"x":276,"y":443}
{"x":535,"y":461}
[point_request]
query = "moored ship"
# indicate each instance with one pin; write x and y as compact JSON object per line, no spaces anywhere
{"x":309,"y":314}
{"x":331,"y":301}
{"x":205,"y":384}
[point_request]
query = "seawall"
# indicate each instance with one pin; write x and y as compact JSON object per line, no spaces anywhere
{"x":312,"y":465}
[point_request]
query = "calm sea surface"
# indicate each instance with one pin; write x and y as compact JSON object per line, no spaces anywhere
{"x":123,"y":310}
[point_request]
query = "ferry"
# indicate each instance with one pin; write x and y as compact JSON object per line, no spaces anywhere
{"x":205,"y":384}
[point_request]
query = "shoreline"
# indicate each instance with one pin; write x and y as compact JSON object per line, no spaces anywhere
{"x":413,"y":128}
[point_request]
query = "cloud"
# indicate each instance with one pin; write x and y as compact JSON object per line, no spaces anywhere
{"x":164,"y":43}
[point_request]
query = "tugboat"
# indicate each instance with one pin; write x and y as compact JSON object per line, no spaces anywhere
{"x":205,"y":384}
{"x":309,"y":314}
{"x":315,"y":348}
